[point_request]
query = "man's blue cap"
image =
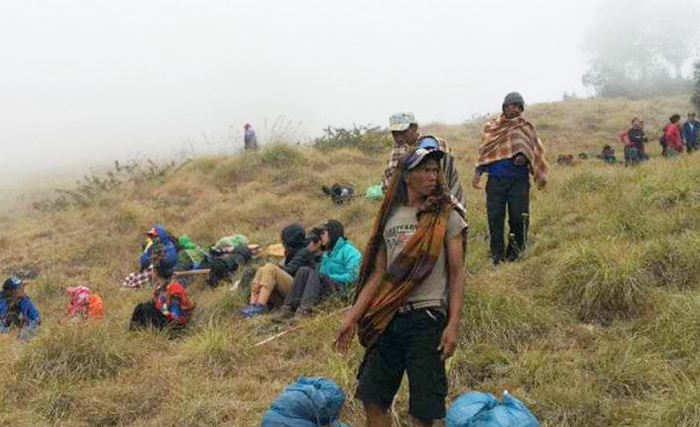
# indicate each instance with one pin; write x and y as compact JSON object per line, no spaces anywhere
{"x":429,"y":143}
{"x":12,"y":283}
{"x":417,"y":157}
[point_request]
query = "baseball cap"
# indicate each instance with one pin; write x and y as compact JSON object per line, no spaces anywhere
{"x":428,"y":142}
{"x":399,"y":122}
{"x":420,"y":154}
{"x":12,"y":283}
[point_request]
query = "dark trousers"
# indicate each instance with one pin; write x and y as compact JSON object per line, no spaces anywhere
{"x":146,"y":315}
{"x":408,"y":345}
{"x":512,"y":194}
{"x":308,"y":289}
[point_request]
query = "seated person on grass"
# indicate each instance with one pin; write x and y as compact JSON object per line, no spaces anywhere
{"x":273,"y":282}
{"x":339,"y":269}
{"x":170,"y":307}
{"x":17,"y":310}
{"x":226,"y":257}
{"x":168,"y":242}
{"x":159,"y":245}
{"x":83,"y":305}
{"x":190,"y":256}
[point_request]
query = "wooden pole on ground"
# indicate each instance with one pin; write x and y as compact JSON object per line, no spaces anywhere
{"x":192,"y":272}
{"x":296,"y":328}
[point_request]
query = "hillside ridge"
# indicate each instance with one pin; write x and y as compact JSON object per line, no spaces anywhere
{"x":596,"y":325}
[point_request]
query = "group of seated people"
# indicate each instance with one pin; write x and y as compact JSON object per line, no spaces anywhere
{"x":182,"y":254}
{"x":317,"y":264}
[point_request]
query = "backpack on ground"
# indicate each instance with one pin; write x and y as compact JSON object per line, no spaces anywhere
{"x":340,"y":193}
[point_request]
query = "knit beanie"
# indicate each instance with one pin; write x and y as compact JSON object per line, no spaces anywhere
{"x":514,"y":98}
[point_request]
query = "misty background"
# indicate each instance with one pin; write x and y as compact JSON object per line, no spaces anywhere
{"x":83,"y":83}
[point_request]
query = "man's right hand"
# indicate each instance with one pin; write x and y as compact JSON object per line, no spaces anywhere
{"x":476,"y":179}
{"x":344,"y":336}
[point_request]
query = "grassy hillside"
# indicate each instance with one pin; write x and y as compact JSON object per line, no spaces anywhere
{"x":596,"y":326}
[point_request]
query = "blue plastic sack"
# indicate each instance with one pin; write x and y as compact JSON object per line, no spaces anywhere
{"x":309,"y":402}
{"x":476,"y":409}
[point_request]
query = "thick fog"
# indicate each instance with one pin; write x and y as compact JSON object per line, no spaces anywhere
{"x":88,"y":81}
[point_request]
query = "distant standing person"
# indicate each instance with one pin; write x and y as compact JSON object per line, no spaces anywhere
{"x":634,"y":140}
{"x":691,"y":132}
{"x":509,"y":152}
{"x":404,"y":130}
{"x":410,"y":294}
{"x":638,"y":138}
{"x":673,"y":143}
{"x":250,"y":140}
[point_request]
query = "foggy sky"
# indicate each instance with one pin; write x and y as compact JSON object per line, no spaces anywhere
{"x":82,"y":81}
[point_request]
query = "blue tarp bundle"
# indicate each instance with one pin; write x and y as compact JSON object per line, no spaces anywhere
{"x":476,"y":409}
{"x":309,"y":402}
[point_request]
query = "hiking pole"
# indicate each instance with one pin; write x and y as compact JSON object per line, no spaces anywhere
{"x":296,"y":328}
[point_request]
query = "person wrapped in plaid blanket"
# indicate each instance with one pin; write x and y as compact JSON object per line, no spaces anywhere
{"x":509,"y":153}
{"x":410,"y":293}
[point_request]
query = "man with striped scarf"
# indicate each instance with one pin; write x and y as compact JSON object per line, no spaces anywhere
{"x":404,"y":130}
{"x":410,"y":293}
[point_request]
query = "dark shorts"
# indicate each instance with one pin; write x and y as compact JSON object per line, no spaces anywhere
{"x":409,"y":344}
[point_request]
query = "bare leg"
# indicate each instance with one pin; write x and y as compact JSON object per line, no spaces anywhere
{"x":377,"y":416}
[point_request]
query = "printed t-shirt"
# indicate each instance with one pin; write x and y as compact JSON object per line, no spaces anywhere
{"x":399,"y":229}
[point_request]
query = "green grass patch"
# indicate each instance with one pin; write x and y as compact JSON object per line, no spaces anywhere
{"x":599,"y":282}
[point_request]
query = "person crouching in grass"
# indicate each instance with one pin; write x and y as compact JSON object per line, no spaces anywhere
{"x":17,"y":311}
{"x":83,"y":305}
{"x":171,"y":306}
{"x":410,"y":294}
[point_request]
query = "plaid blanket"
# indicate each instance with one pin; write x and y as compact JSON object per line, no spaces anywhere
{"x":449,"y":171}
{"x":504,"y":138}
{"x":138,"y":279}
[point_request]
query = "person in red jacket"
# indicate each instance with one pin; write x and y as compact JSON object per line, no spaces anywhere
{"x":84,"y":304}
{"x":170,"y":307}
{"x":673,"y":143}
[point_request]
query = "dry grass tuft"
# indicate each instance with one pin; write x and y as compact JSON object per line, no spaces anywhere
{"x":76,"y":353}
{"x":599,"y":285}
